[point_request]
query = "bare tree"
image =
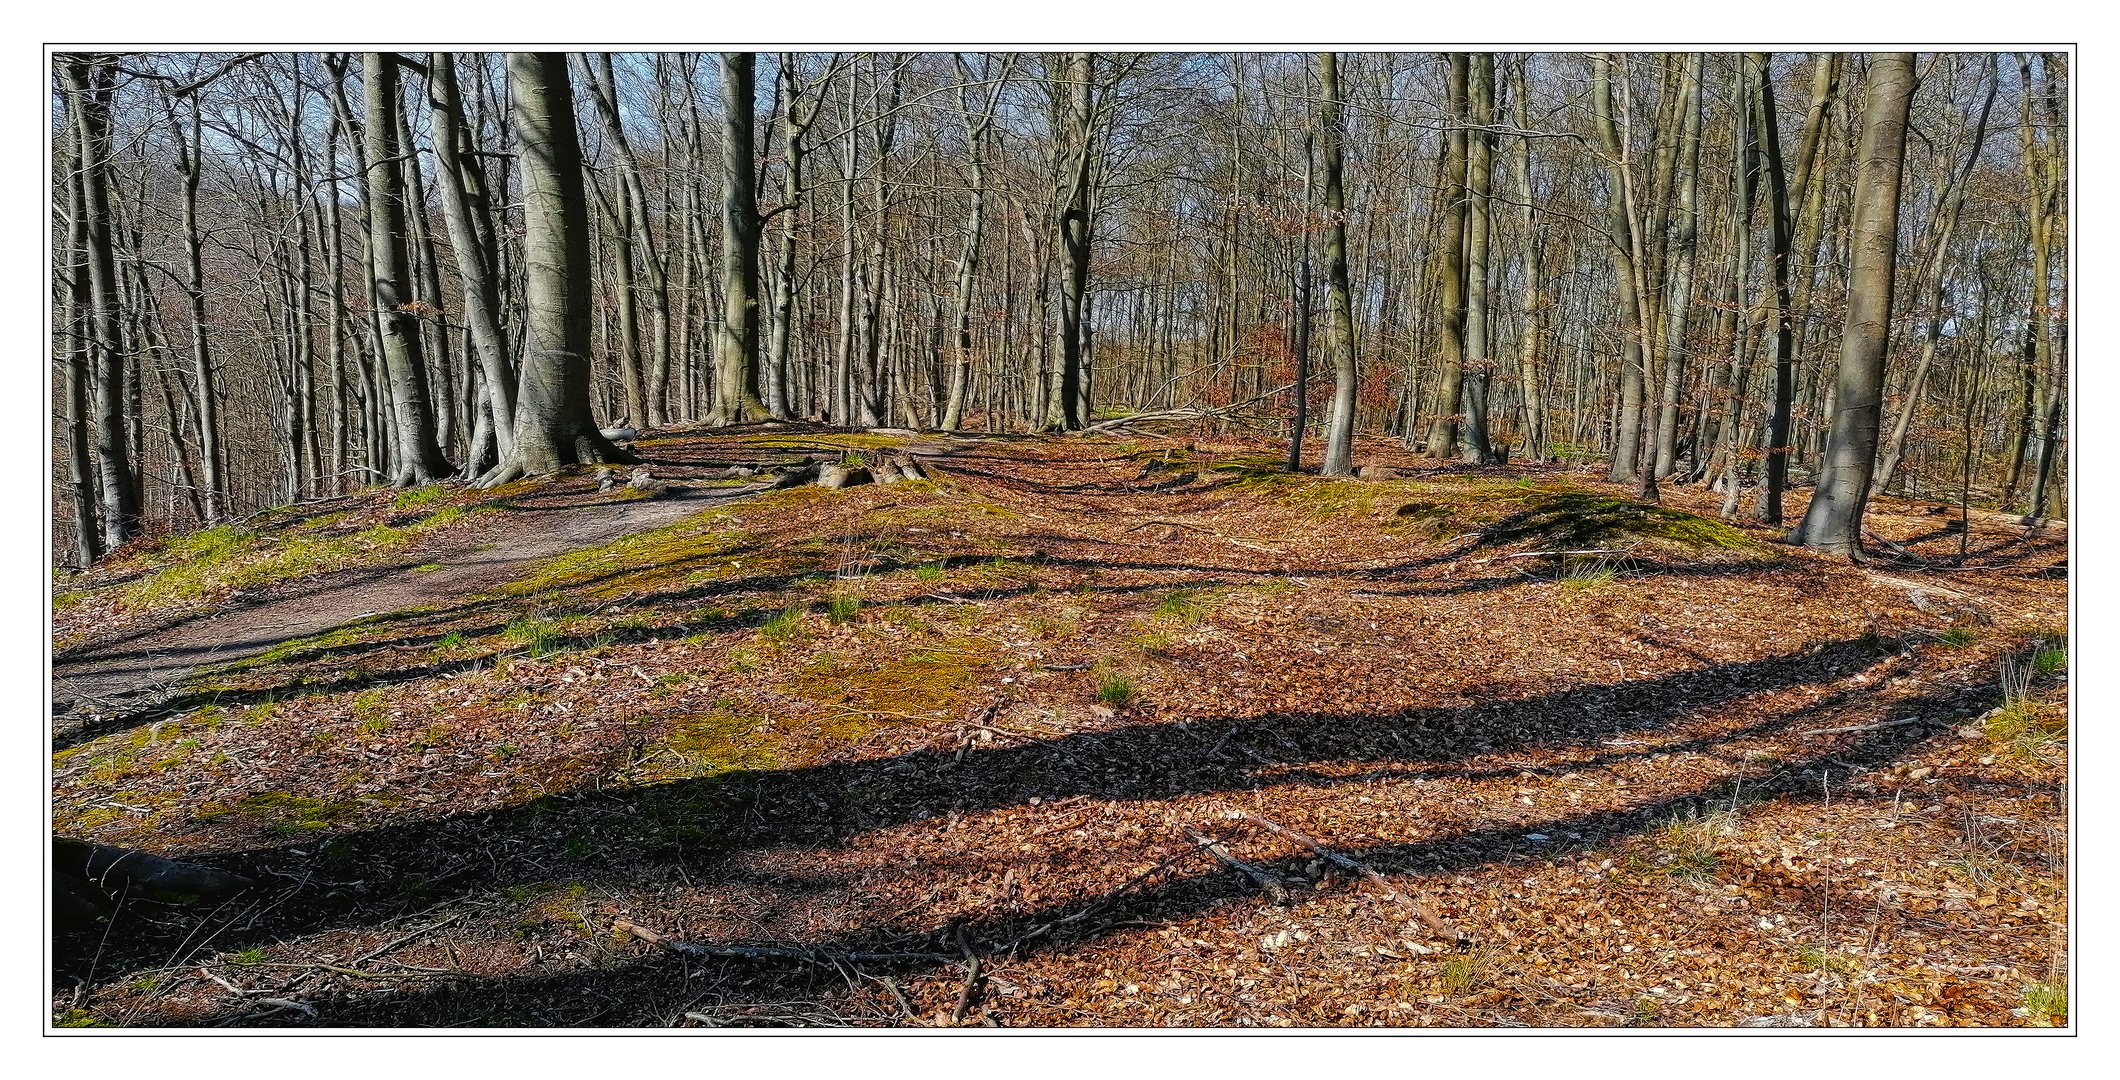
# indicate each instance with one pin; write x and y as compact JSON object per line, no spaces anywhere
{"x":1833,"y":522}
{"x":553,"y":425}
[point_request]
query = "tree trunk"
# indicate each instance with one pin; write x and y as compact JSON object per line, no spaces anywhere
{"x":1063,"y":409}
{"x":1685,"y":234}
{"x":89,"y":83}
{"x":465,"y":207}
{"x":1833,"y":523}
{"x":736,"y":360}
{"x":1450,"y":276}
{"x":1479,"y":172}
{"x":1626,"y":274}
{"x":74,"y":336}
{"x":553,"y":424}
{"x":420,"y":460}
{"x":1339,"y":427}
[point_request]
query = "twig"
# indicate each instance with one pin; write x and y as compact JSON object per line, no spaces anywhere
{"x":1429,"y":918}
{"x":898,"y":995}
{"x":1267,"y":883}
{"x":971,"y":979}
{"x":373,"y":953}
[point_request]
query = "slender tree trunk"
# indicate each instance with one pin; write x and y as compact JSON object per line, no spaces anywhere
{"x":1479,"y":171}
{"x":1777,"y":435}
{"x":1833,"y":523}
{"x":89,"y":83}
{"x":1339,"y":428}
{"x":1625,"y":273}
{"x":464,"y":205}
{"x":420,"y":460}
{"x":1686,"y":237}
{"x":1450,"y":276}
{"x":75,"y":335}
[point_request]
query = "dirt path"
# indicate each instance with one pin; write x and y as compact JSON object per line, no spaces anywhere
{"x":135,"y":669}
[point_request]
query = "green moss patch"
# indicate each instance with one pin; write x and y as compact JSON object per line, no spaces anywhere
{"x":721,"y":741}
{"x":928,"y":684}
{"x":1582,"y":519}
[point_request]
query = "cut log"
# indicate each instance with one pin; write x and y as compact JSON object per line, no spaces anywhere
{"x":843,"y":476}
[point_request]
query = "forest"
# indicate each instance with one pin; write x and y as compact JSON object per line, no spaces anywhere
{"x":950,"y":538}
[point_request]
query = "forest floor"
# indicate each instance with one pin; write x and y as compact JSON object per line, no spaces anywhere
{"x":950,"y":752}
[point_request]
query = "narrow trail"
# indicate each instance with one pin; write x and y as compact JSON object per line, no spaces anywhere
{"x":134,"y":670}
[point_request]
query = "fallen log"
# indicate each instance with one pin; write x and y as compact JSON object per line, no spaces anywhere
{"x":90,"y":879}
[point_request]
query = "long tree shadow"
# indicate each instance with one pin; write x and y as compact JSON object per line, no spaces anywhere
{"x":694,"y":825}
{"x":656,"y":988}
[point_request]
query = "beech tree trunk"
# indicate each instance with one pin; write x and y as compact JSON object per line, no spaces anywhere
{"x":1479,"y":173}
{"x":1339,"y":427}
{"x":553,"y":424}
{"x":419,"y":457}
{"x":471,"y":241}
{"x":1063,"y":407}
{"x":89,"y":82}
{"x":1627,"y":434}
{"x":1833,"y":523}
{"x":736,"y":360}
{"x":1450,"y":275}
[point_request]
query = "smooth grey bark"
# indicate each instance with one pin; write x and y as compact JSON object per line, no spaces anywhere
{"x":1302,"y":296}
{"x":1063,"y":406}
{"x":89,"y":84}
{"x":1479,"y":229}
{"x":976,"y":127}
{"x":1450,"y":276}
{"x":1744,"y":167}
{"x":655,"y":376}
{"x":736,"y":359}
{"x":798,"y":114}
{"x":419,"y":458}
{"x":469,"y":218}
{"x":1833,"y":522}
{"x":1625,"y":272}
{"x":2044,"y":171}
{"x":1685,"y":239}
{"x":1528,"y":359}
{"x":74,"y":333}
{"x":1339,"y":426}
{"x":1933,"y":272}
{"x":215,"y":496}
{"x":553,"y":424}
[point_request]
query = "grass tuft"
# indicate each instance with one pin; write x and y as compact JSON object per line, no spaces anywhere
{"x":1116,"y":691}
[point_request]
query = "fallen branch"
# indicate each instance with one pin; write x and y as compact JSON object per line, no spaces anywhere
{"x":1865,"y":727}
{"x":1187,"y":413}
{"x":1267,"y":883}
{"x":1106,"y":901}
{"x":1428,"y":918}
{"x":817,"y":957}
{"x":1551,"y":554}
